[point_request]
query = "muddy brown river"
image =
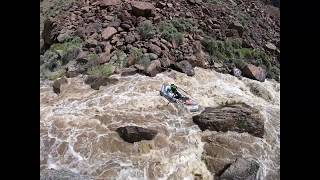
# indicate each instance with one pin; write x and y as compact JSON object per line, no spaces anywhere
{"x":77,"y":127}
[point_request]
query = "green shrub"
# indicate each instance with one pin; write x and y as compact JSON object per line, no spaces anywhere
{"x":137,"y":53}
{"x":104,"y":70}
{"x":169,"y":32}
{"x":122,"y":59}
{"x":75,"y":42}
{"x":144,"y":61}
{"x":231,"y":51}
{"x":146,"y":30}
{"x":92,"y":57}
{"x":182,"y":24}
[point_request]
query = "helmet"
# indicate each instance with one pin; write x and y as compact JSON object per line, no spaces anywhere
{"x":173,"y":87}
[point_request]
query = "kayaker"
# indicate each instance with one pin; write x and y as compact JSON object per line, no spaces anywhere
{"x":175,"y":92}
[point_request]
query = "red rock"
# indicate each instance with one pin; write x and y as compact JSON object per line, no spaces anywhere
{"x":140,"y":8}
{"x":254,"y":72}
{"x":155,"y":49}
{"x":108,"y":33}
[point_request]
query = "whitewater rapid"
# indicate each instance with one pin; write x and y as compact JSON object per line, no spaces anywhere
{"x":77,"y":127}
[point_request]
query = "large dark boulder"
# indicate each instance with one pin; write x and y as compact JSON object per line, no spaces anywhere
{"x":184,"y":67}
{"x":241,"y":169}
{"x":254,"y":72}
{"x":96,"y":81}
{"x":57,"y":85}
{"x":133,"y":134}
{"x":235,"y":117}
{"x":141,"y":8}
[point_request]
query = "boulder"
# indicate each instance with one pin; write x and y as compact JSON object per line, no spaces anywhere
{"x":140,"y":8}
{"x":254,"y":72}
{"x":234,"y":117}
{"x":184,"y":67}
{"x":107,"y":48}
{"x":133,"y":134}
{"x":108,"y":33}
{"x":139,"y":68}
{"x":241,"y":169}
{"x":155,"y":49}
{"x":154,"y":68}
{"x":237,"y":26}
{"x":152,"y":56}
{"x":64,"y":36}
{"x":57,"y":85}
{"x":91,"y":43}
{"x":104,"y":58}
{"x":129,"y":39}
{"x":128,"y":71}
{"x":96,"y":81}
{"x":165,"y":62}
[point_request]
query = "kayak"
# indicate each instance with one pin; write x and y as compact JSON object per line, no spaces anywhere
{"x":185,"y":100}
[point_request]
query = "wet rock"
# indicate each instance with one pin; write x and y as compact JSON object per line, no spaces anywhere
{"x":154,"y":68}
{"x":260,"y":91}
{"x":140,"y":8}
{"x":57,"y":85}
{"x":128,"y":71}
{"x":155,"y":49}
{"x":254,"y":72}
{"x":241,"y":169}
{"x":108,"y":33}
{"x":234,"y":117}
{"x":184,"y":67}
{"x":133,"y":134}
{"x":96,"y":81}
{"x":49,"y":174}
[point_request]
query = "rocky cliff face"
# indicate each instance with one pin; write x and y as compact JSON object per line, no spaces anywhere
{"x":213,"y":34}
